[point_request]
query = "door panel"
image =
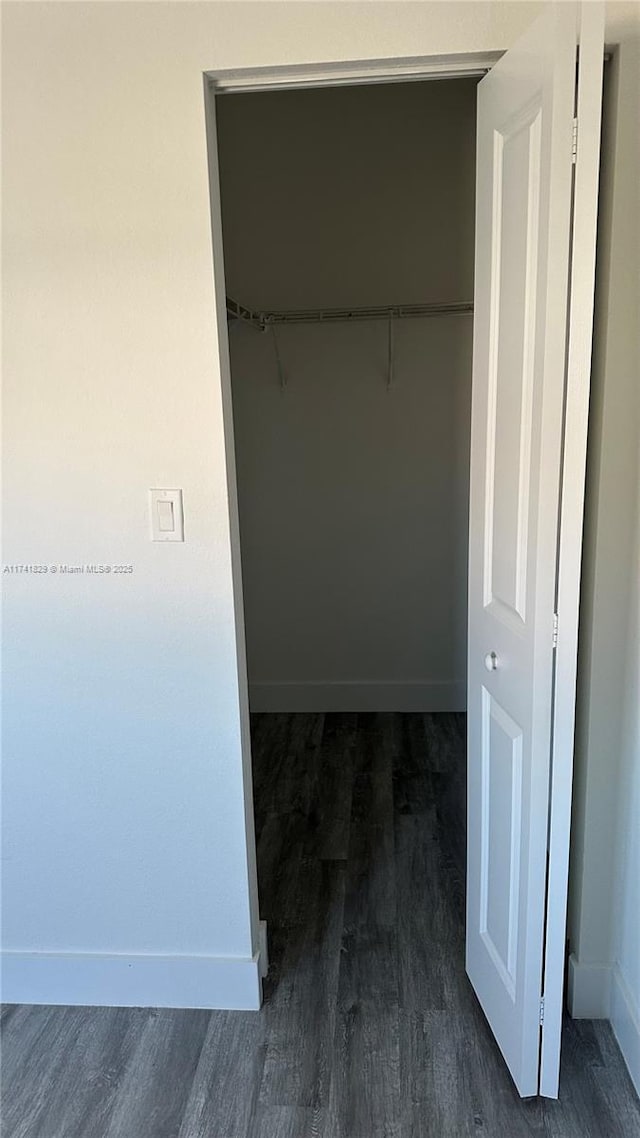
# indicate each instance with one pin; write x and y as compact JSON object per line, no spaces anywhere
{"x":501,"y":837}
{"x":583,"y":257}
{"x":516,"y":173}
{"x":524,"y":181}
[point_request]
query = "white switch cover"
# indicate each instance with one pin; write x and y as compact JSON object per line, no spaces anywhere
{"x":167,"y":519}
{"x":165,"y":515}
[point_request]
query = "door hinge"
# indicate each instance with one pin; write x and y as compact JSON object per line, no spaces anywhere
{"x":555,"y":630}
{"x":541,"y":1011}
{"x":574,"y":141}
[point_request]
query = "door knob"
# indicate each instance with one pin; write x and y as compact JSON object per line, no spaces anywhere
{"x":491,"y":661}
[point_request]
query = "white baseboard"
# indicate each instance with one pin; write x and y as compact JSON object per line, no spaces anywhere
{"x":588,"y":990}
{"x":625,"y":1021}
{"x":134,"y":981}
{"x":362,"y":696}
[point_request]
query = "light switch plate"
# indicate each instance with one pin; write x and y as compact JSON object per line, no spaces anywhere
{"x":167,"y":517}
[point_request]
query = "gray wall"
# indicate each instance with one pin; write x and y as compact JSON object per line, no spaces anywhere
{"x":604,"y":925}
{"x":353,"y":497}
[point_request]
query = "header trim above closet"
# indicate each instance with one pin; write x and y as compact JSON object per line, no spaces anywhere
{"x":409,"y":69}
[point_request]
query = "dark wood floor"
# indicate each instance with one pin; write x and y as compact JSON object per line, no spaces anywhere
{"x":369,"y":1029}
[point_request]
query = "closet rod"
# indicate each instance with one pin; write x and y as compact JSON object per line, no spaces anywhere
{"x":262,"y":320}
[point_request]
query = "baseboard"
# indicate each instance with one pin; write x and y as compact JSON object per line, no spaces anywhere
{"x":134,"y":981}
{"x":625,"y":1021}
{"x":363,"y":696}
{"x":588,"y":990}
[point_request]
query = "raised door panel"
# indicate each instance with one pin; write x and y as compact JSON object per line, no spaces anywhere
{"x":514,"y":256}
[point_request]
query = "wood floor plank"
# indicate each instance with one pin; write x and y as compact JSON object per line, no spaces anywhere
{"x":365,"y":1098}
{"x":365,"y":1087}
{"x":300,"y":1015}
{"x":370,"y":902}
{"x":436,"y":1095}
{"x":7,"y":1011}
{"x":330,"y":808}
{"x":279,"y":855}
{"x":70,"y":1070}
{"x":25,"y":1033}
{"x":224,"y":1092}
{"x":413,"y":776}
{"x":270,"y":750}
{"x":445,"y":739}
{"x":430,"y":940}
{"x":285,"y":1122}
{"x":158,"y":1078}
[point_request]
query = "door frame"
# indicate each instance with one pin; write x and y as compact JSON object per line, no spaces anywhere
{"x":569,"y":556}
{"x":292,"y":77}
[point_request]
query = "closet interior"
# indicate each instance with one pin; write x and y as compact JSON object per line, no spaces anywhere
{"x":348,"y":227}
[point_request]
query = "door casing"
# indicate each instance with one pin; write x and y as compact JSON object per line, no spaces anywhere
{"x":330,"y":73}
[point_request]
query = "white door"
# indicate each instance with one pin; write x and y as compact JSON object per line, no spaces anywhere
{"x":523,"y":223}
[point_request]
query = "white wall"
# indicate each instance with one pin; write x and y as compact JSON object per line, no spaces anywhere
{"x":126,"y":871}
{"x":605,"y":873}
{"x":353,"y":498}
{"x":127,"y":847}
